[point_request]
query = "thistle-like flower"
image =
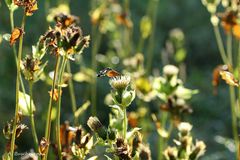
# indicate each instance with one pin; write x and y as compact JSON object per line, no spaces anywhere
{"x":120,"y":82}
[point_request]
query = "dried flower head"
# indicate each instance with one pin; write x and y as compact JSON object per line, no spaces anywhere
{"x":54,"y":94}
{"x":30,"y":6}
{"x":66,"y":38}
{"x":65,"y":20}
{"x":30,"y":67}
{"x":20,"y":128}
{"x":122,"y":149}
{"x":120,"y":82}
{"x":144,"y":152}
{"x":229,"y":78}
{"x":7,"y":130}
{"x":43,"y":145}
{"x":229,"y":19}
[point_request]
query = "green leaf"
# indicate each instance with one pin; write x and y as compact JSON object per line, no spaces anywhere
{"x":132,"y":132}
{"x":118,"y":108}
{"x":8,"y":2}
{"x":24,"y":104}
{"x":82,"y":109}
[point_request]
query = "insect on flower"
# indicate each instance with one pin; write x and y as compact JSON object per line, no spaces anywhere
{"x":108,"y":72}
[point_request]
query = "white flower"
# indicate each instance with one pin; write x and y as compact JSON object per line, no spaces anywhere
{"x":184,"y":127}
{"x":170,"y":70}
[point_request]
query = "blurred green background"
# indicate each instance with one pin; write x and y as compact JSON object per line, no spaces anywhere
{"x":211,"y":116}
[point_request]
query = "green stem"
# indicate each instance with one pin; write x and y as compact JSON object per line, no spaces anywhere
{"x":220,"y":44}
{"x":151,"y":43}
{"x":234,"y":117}
{"x":34,"y":133}
{"x":229,"y":50}
{"x":49,"y":113}
{"x":72,"y":94}
{"x":232,"y":93}
{"x":125,"y":123}
{"x":161,"y":140}
{"x":58,"y":123}
{"x":97,"y":36}
{"x":15,"y":55}
{"x":17,"y":89}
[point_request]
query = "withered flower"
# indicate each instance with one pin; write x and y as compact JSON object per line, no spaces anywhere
{"x":66,"y":38}
{"x":65,"y":20}
{"x":43,"y":146}
{"x":136,"y":142}
{"x":16,"y":34}
{"x":8,"y":129}
{"x":29,"y":67}
{"x":122,"y":150}
{"x":229,"y":78}
{"x":30,"y":6}
{"x":54,"y":94}
{"x":144,"y":152}
{"x":230,"y":23}
{"x":67,"y":135}
{"x":216,"y":76}
{"x":20,"y":128}
{"x":229,"y":20}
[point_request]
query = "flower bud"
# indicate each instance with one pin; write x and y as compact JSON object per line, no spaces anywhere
{"x":95,"y":125}
{"x":170,"y":70}
{"x":127,"y":98}
{"x":184,"y":128}
{"x":199,"y":150}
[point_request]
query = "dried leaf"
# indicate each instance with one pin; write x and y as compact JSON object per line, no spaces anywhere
{"x":229,"y":78}
{"x":16,"y":34}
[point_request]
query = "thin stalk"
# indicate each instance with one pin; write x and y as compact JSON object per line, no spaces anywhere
{"x":49,"y":113}
{"x":125,"y":123}
{"x":58,"y":123}
{"x":151,"y":43}
{"x":97,"y":36}
{"x":17,"y":89}
{"x":238,"y":78}
{"x":15,"y":53}
{"x":161,"y":141}
{"x":34,"y":133}
{"x":220,"y":45}
{"x":232,"y":93}
{"x":234,"y":117}
{"x":72,"y":94}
